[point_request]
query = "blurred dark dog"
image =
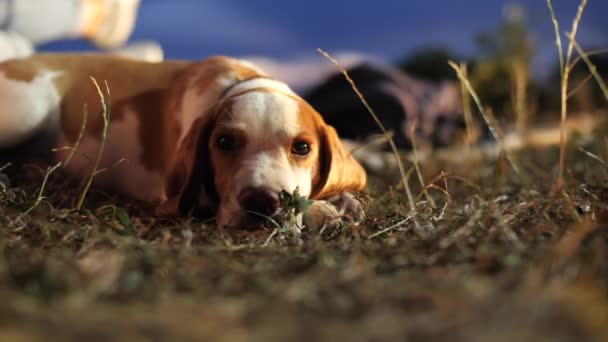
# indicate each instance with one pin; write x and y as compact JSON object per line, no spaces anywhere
{"x":432,"y":112}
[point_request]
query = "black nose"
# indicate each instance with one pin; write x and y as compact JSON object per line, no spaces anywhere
{"x":259,"y":200}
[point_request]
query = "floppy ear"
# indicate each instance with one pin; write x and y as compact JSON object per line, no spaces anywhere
{"x":339,"y":171}
{"x":187,"y":124}
{"x":189,"y":182}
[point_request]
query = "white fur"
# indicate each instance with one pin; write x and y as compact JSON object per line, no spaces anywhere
{"x":270,"y":121}
{"x":25,"y":106}
{"x":120,"y":160}
{"x":194,"y":103}
{"x":260,"y":83}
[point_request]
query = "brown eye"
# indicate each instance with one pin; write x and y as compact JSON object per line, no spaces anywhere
{"x":300,"y":148}
{"x":226,"y":143}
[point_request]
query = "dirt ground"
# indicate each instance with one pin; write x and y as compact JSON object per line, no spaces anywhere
{"x":496,"y":258}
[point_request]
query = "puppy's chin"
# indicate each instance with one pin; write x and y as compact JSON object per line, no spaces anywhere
{"x":237,"y":218}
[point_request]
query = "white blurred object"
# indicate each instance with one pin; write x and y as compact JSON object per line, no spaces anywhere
{"x":40,"y":21}
{"x":107,"y":23}
{"x":13,"y":45}
{"x":117,"y":25}
{"x":149,"y":51}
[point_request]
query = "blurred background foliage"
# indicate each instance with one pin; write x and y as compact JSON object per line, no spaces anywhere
{"x":503,"y":75}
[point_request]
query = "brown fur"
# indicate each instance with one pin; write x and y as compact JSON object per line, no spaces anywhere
{"x":155,"y":92}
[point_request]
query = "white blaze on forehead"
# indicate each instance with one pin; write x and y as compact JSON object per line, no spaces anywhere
{"x":259,"y":83}
{"x":25,"y":106}
{"x":265,"y":116}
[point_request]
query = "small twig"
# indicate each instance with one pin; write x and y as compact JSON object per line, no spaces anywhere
{"x":565,"y":73}
{"x":431,"y":185}
{"x":80,"y":136}
{"x":380,"y":139}
{"x":40,"y":196}
{"x":385,"y":230}
{"x":579,"y":86}
{"x":589,"y":53}
{"x":486,"y":117}
{"x":558,"y":39}
{"x":270,"y":219}
{"x":438,"y":188}
{"x":466,"y":105}
{"x":417,"y":166}
{"x":5,"y":166}
{"x":465,"y":181}
{"x":592,"y":68}
{"x":575,"y":22}
{"x":571,"y":207}
{"x":272,"y":235}
{"x":594,"y":157}
{"x":577,"y":60}
{"x":106,"y":123}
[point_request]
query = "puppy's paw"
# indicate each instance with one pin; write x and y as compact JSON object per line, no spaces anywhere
{"x":322,"y":215}
{"x":334,"y":212}
{"x":349,"y":206}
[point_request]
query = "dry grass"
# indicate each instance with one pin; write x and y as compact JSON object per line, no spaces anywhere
{"x":565,"y":68}
{"x":399,"y":162}
{"x":489,"y":260}
{"x":104,"y":135}
{"x":473,"y":271}
{"x":461,"y":73}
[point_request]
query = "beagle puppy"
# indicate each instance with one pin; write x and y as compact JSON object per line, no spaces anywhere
{"x":217,"y":134}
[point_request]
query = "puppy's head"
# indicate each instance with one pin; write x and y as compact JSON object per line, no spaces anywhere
{"x":260,"y":139}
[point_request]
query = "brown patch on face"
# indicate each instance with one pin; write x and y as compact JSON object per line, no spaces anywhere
{"x":309,"y":121}
{"x":225,"y":163}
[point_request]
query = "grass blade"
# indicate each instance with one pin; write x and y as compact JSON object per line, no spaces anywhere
{"x":485,"y":116}
{"x":391,"y":142}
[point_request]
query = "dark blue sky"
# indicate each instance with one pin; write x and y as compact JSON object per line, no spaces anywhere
{"x":193,"y":29}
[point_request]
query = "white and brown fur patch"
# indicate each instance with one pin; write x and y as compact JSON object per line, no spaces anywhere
{"x":164,"y":118}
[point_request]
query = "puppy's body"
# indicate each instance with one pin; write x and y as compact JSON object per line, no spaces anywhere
{"x":46,"y":95}
{"x":166,"y":119}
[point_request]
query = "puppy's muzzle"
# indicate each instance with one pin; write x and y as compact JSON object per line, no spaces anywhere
{"x":259,"y":200}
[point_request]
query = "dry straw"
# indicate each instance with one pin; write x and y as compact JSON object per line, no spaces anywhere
{"x":467,"y":84}
{"x":104,"y":134}
{"x":391,"y":142}
{"x":466,"y":105}
{"x":592,"y":68}
{"x":565,"y":68}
